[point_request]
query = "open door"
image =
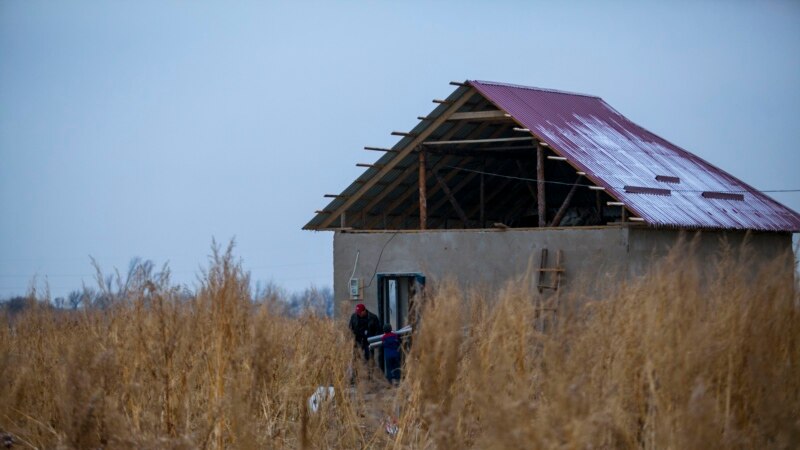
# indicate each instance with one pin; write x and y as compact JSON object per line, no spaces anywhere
{"x":398,"y":295}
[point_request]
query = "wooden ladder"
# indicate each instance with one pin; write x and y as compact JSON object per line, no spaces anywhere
{"x":555,"y":280}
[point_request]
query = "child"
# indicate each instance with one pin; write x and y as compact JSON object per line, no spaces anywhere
{"x":391,"y":354}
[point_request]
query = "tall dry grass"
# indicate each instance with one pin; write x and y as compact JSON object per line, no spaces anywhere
{"x":160,"y":369}
{"x":673,"y":360}
{"x":689,"y":356}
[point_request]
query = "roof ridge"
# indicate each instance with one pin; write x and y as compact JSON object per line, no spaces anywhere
{"x":532,"y":88}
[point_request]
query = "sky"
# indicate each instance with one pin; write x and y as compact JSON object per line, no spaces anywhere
{"x":147,"y":129}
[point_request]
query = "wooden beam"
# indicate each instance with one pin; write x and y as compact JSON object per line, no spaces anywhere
{"x":379,"y":183}
{"x":400,"y":180}
{"x":400,"y":156}
{"x":423,"y":196}
{"x":402,"y":133}
{"x":335,"y":196}
{"x":540,"y":197}
{"x":447,"y":135}
{"x":563,"y":209}
{"x":478,"y":141}
{"x":442,"y":102}
{"x":479,"y":115}
{"x":504,"y":153}
{"x":404,"y":196}
{"x":394,"y":215}
{"x":435,"y":189}
{"x":461,"y":184}
{"x":369,"y":165}
{"x":457,"y":83}
{"x":452,"y":199}
{"x":411,"y":168}
{"x":390,"y":187}
{"x":507,"y":147}
{"x":381,"y":149}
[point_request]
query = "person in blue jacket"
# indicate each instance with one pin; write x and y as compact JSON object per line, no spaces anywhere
{"x":391,"y":354}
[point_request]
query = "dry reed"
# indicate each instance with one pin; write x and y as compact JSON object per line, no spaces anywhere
{"x":685,"y":357}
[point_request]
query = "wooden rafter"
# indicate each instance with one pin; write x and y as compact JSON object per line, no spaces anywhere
{"x":487,"y":153}
{"x":474,"y":132}
{"x":404,"y":196}
{"x":379,"y":183}
{"x":431,"y":193}
{"x":540,"y":185}
{"x":404,"y":175}
{"x":380,"y":149}
{"x":397,"y":202}
{"x":390,"y":187}
{"x":424,"y":134}
{"x":563,"y":209}
{"x":451,"y":198}
{"x":461,"y":184}
{"x":479,"y":115}
{"x":478,"y":141}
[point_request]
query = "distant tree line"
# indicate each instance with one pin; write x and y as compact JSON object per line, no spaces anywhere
{"x":116,"y":287}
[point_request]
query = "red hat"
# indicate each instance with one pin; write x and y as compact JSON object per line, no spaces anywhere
{"x":360,"y":307}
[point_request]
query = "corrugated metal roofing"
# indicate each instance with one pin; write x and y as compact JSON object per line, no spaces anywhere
{"x":616,"y":153}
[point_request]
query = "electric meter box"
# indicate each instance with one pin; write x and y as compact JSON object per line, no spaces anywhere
{"x":355,"y":288}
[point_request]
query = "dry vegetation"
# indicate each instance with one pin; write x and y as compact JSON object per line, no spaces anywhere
{"x":668,"y":361}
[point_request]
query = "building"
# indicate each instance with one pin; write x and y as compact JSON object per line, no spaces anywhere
{"x":499,"y":178}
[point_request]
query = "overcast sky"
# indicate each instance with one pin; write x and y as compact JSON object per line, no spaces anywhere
{"x":147,"y":128}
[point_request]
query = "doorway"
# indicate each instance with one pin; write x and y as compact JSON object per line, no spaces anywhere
{"x":399,"y":296}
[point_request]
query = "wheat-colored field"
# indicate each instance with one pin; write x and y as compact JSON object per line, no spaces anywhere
{"x":673,"y":360}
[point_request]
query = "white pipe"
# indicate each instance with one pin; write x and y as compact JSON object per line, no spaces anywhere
{"x":375,"y":341}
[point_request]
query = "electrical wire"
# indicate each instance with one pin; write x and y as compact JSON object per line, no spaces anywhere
{"x":379,"y":259}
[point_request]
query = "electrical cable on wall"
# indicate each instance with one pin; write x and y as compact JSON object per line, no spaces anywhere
{"x":358,"y":252}
{"x":379,"y":259}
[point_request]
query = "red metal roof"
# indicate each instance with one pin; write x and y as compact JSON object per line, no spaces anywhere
{"x":659,"y":181}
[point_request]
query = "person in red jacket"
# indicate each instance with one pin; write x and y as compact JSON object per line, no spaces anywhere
{"x":364,"y":325}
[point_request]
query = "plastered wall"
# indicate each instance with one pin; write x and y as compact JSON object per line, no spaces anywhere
{"x":483,"y":259}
